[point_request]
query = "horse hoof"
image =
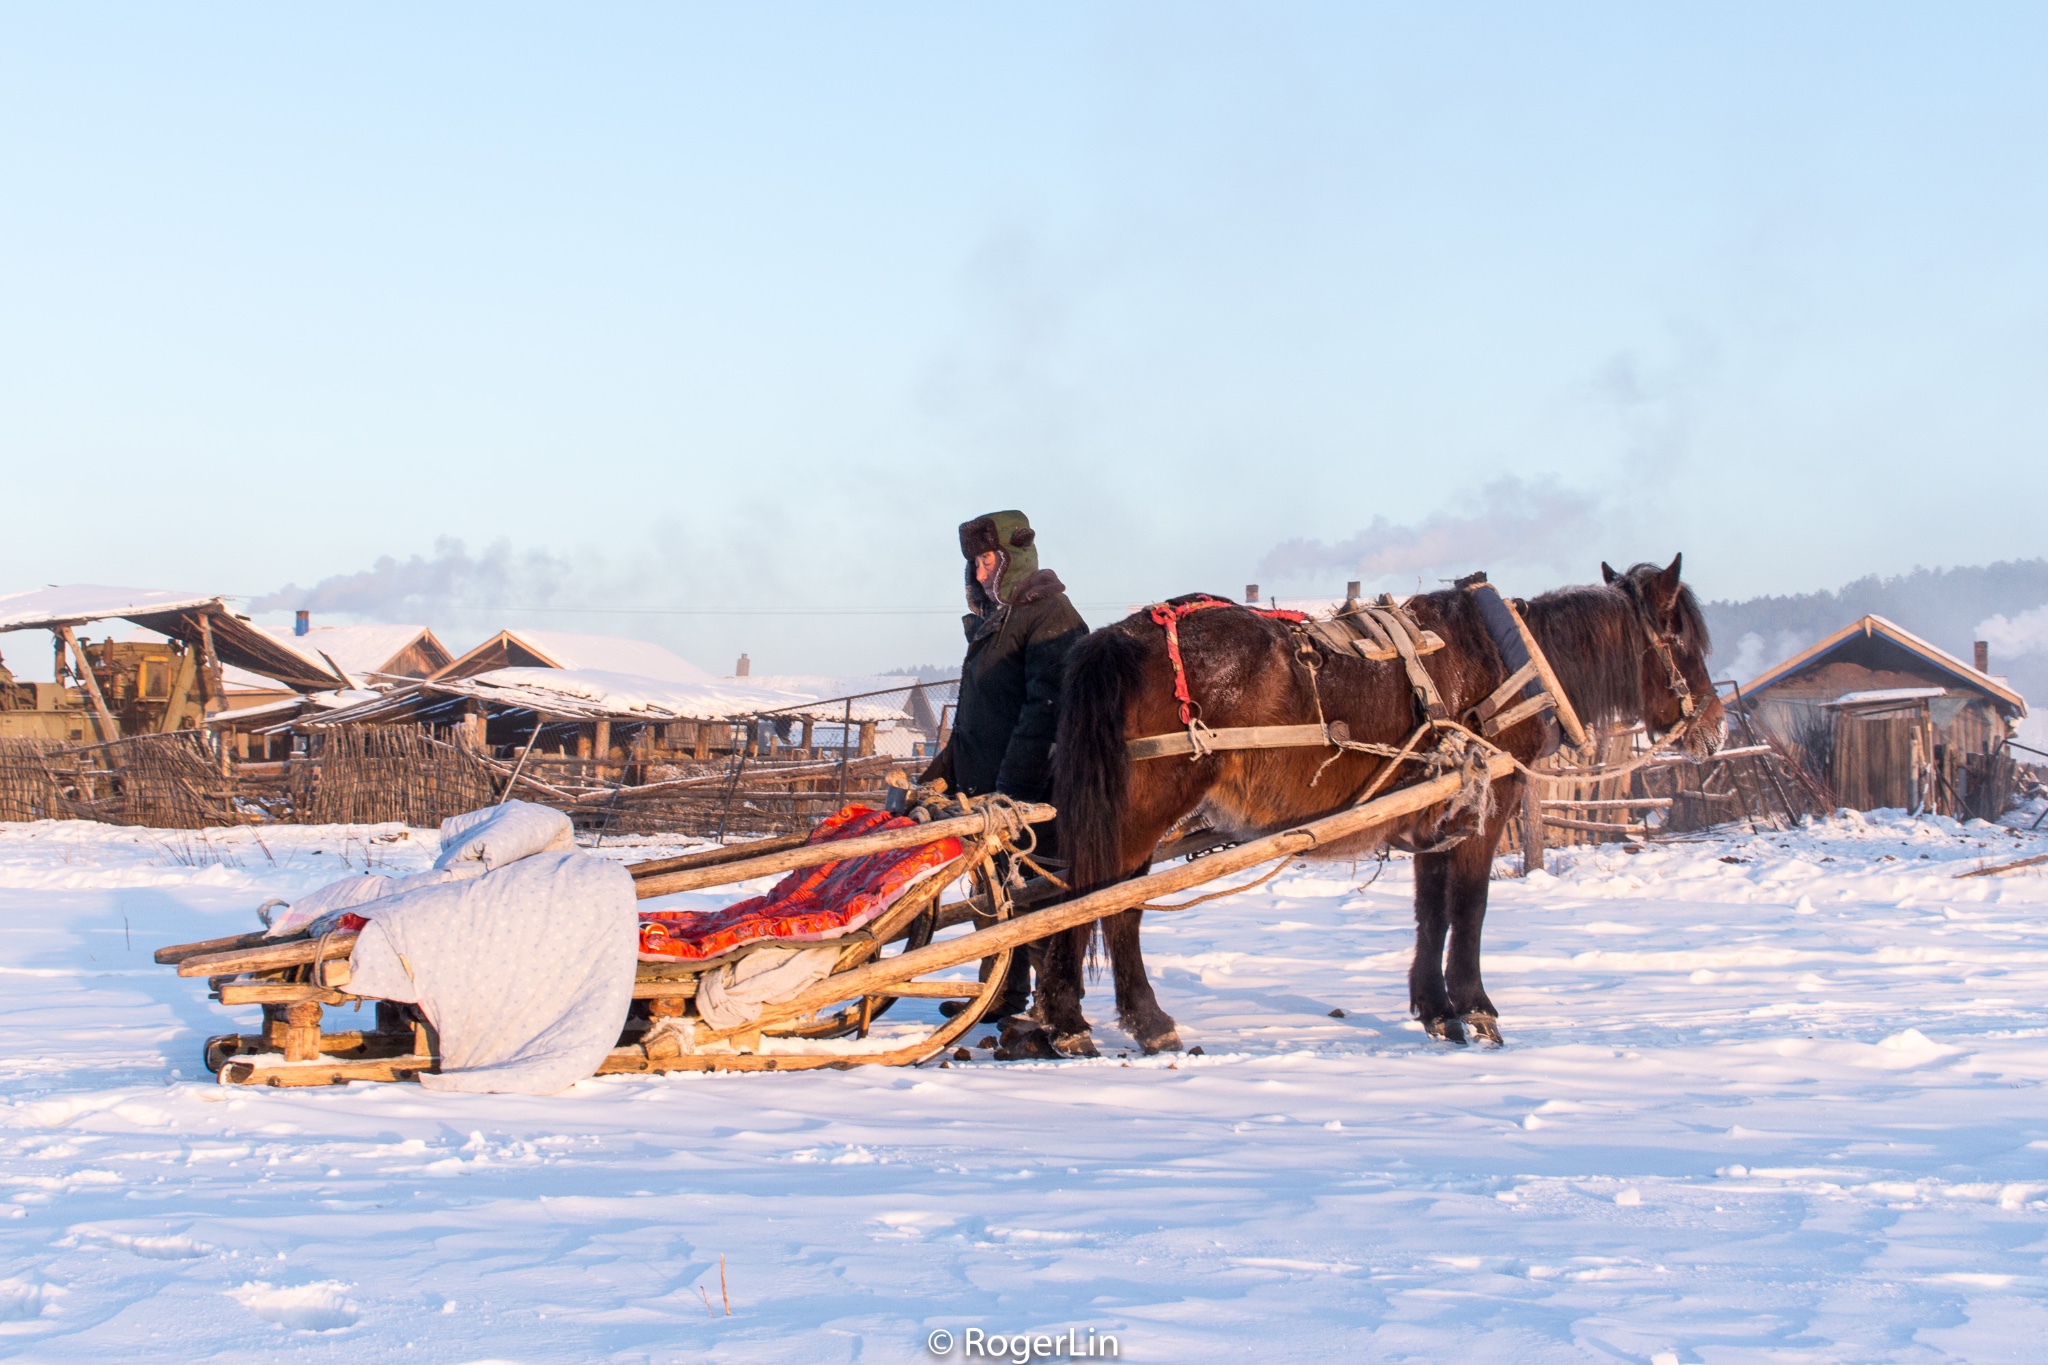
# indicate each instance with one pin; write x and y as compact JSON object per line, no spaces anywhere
{"x":1168,"y":1041}
{"x":1445,"y":1030}
{"x":1154,"y":1035}
{"x":1486,"y":1028}
{"x":1026,"y":1045}
{"x":1075,"y":1045}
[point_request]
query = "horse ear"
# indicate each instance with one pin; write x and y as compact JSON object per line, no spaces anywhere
{"x":1607,"y":573}
{"x":1667,"y":582}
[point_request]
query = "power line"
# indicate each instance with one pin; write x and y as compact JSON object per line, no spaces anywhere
{"x":716,"y":611}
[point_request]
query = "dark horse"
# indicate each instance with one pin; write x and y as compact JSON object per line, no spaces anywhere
{"x":1244,"y":669}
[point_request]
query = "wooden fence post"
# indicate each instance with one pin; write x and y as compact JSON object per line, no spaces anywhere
{"x":1532,"y":829}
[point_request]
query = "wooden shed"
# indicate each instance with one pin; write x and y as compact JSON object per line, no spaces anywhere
{"x":1887,"y":719}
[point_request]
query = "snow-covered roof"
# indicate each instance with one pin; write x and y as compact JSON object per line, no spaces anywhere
{"x":1887,"y":694}
{"x":74,"y":604}
{"x":181,"y":615}
{"x":593,"y":694}
{"x":825,"y":686}
{"x":362,"y":651}
{"x":568,"y":692}
{"x":561,"y":649}
{"x":292,"y":706}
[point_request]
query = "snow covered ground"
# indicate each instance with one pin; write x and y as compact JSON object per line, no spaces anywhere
{"x":1765,"y":1098}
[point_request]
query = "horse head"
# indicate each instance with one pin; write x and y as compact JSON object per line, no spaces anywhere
{"x":1676,"y":684}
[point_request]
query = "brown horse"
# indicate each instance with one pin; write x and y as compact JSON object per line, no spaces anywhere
{"x":1632,"y":649}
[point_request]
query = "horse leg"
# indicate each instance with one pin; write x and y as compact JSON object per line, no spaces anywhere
{"x":1428,"y":1000}
{"x":1137,"y":1008}
{"x":1468,"y":873}
{"x":1060,"y":992}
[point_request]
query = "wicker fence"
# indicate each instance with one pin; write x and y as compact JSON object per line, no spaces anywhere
{"x":169,"y":781}
{"x":783,"y":772}
{"x":372,"y":774}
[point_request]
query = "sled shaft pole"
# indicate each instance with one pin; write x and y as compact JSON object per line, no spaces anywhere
{"x":831,"y":851}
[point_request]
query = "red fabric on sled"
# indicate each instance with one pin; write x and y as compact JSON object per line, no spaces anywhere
{"x":810,"y":903}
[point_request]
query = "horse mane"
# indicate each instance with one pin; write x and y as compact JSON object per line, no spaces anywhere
{"x":1593,"y":636}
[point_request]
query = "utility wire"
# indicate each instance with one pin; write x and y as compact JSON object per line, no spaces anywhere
{"x":723,"y":611}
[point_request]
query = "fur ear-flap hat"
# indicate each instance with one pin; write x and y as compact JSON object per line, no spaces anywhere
{"x":1009,"y":534}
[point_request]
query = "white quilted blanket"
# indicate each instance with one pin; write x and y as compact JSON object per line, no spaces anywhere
{"x":519,"y":949}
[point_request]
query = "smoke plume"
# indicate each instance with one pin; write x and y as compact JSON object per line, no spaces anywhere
{"x":427,"y":586}
{"x":1511,"y":523}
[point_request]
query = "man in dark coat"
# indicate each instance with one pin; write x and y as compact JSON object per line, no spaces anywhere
{"x":1020,"y":627}
{"x":1019,"y":630}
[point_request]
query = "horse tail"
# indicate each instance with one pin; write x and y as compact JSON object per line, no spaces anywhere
{"x":1091,"y":770}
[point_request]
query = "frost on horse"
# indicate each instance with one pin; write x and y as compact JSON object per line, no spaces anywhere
{"x":1630,"y":649}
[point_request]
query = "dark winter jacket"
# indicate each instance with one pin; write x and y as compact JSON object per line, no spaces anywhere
{"x":1009,"y":689}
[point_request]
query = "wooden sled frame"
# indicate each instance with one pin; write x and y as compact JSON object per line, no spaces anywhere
{"x":294,"y":979}
{"x":250,"y":970}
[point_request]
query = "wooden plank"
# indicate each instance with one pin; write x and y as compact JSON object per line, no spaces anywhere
{"x":178,"y":952}
{"x":288,"y":953}
{"x":1231,"y":737}
{"x":1627,"y":803}
{"x":1593,"y":826}
{"x":279,"y":993}
{"x":716,"y":857}
{"x":1502,"y":695}
{"x":1574,"y":732}
{"x":815,"y":855}
{"x":682,"y":988}
{"x":1516,"y":714}
{"x":248,"y":1071}
{"x":933,"y":990}
{"x":1532,"y":830}
{"x":2000,"y":869}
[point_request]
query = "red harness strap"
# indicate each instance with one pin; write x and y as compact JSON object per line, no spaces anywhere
{"x":1167,"y":615}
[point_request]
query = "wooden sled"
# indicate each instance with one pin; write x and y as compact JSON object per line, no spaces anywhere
{"x":278,"y":974}
{"x":294,"y":979}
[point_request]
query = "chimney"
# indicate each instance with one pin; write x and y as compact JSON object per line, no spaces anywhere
{"x":739,"y":670}
{"x":304,"y":622}
{"x":1351,"y":590}
{"x":1251,"y":593}
{"x":1983,"y":648}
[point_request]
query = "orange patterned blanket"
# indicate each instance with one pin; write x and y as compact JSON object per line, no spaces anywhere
{"x":810,"y":903}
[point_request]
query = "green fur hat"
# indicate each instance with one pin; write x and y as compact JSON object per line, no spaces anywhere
{"x":1010,"y":535}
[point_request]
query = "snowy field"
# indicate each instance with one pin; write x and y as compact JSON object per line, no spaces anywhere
{"x":1769,"y":1098}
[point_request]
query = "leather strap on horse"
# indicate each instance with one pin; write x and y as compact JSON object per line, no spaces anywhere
{"x":1383,"y":631}
{"x":1396,"y":629}
{"x":1674,"y":677}
{"x":1199,"y":738}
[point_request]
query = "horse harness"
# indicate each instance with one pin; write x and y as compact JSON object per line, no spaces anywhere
{"x":1381,"y":632}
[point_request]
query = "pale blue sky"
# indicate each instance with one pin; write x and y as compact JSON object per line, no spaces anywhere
{"x":742,"y":309}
